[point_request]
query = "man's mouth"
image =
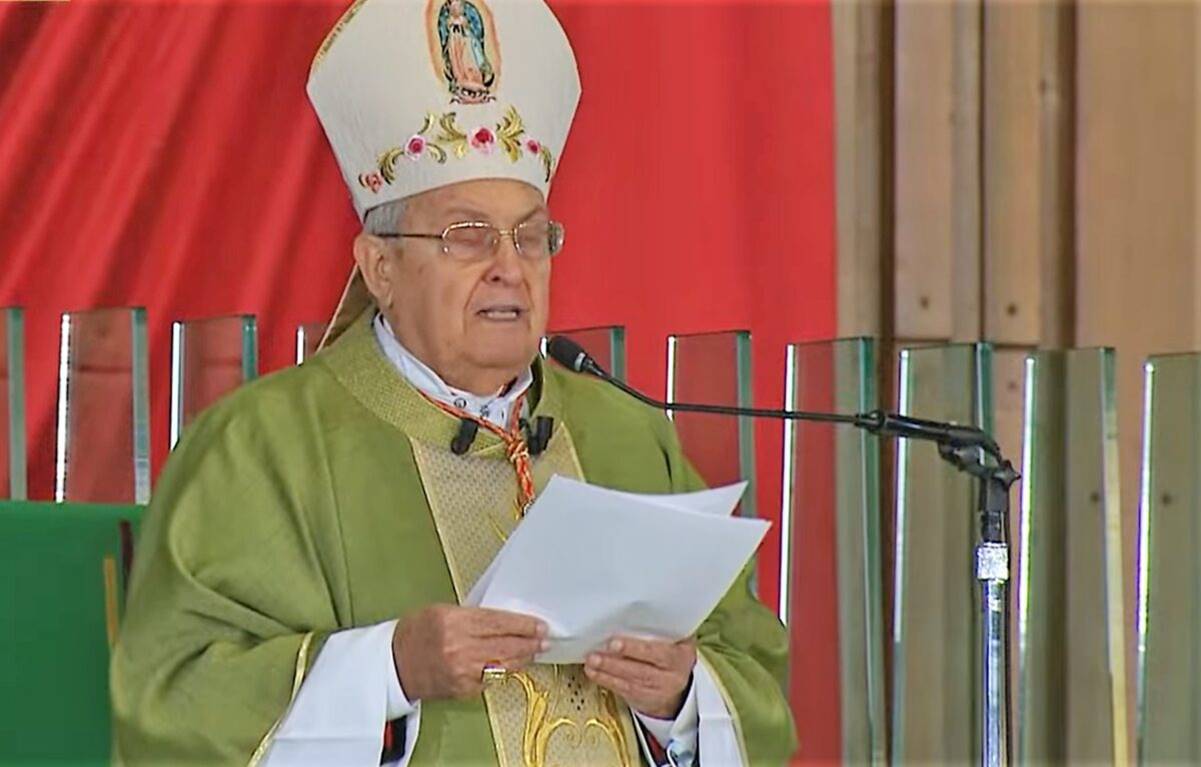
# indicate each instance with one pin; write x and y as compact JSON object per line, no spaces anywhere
{"x":501,"y":312}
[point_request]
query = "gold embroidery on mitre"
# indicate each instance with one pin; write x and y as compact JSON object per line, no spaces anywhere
{"x":328,"y":42}
{"x":441,"y":137}
{"x":545,"y":715}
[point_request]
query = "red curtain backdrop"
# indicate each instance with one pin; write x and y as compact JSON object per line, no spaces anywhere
{"x":163,"y":154}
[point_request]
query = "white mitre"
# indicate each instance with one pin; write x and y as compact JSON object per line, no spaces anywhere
{"x":418,"y":94}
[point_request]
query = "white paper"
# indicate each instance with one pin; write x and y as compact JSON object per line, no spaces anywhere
{"x":718,"y":500}
{"x":594,"y":563}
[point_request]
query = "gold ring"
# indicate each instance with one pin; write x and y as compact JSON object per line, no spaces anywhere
{"x":492,"y":673}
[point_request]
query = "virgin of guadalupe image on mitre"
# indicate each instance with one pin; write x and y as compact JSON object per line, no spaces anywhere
{"x":463,"y":38}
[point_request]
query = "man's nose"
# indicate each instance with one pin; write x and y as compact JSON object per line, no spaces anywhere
{"x":506,"y":261}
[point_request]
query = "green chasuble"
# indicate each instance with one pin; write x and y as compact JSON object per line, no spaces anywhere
{"x":324,"y":497}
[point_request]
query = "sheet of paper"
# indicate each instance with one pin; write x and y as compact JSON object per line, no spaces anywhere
{"x":594,"y":563}
{"x":718,"y":500}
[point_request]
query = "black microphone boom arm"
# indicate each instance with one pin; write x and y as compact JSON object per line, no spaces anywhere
{"x":572,"y":356}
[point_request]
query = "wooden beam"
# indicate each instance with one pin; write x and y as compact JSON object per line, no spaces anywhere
{"x":859,"y":72}
{"x":1137,"y":202}
{"x":938,"y":170}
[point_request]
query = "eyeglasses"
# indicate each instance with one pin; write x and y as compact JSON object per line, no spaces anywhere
{"x":479,"y":240}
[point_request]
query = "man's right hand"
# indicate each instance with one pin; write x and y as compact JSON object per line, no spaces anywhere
{"x":441,"y":650}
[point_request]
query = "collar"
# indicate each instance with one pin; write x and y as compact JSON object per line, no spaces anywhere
{"x":493,"y":408}
{"x":357,"y":363}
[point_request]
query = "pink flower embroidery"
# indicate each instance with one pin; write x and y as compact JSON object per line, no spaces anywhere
{"x":483,"y":139}
{"x":532,"y":146}
{"x":372,"y":181}
{"x":415,"y":146}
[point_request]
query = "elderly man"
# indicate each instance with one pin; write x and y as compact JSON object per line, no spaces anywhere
{"x":296,"y":593}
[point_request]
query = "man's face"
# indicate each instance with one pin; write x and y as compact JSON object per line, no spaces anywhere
{"x":476,"y":323}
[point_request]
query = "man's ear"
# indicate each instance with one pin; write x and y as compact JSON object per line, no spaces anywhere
{"x":371,"y":254}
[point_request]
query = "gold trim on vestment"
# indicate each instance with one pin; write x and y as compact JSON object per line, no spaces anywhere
{"x":729,"y":701}
{"x":544,"y":715}
{"x":302,"y":666}
{"x":112,"y":618}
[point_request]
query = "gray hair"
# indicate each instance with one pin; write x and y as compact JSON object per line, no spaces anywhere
{"x":385,"y":218}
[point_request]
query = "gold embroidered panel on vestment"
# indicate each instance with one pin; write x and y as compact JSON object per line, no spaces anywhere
{"x":547,"y":715}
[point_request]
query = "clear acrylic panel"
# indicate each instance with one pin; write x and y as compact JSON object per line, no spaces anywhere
{"x":1169,"y":573}
{"x":1008,"y":395}
{"x":715,"y":368}
{"x":13,"y":475}
{"x":1070,"y":697}
{"x":606,"y":345}
{"x":209,"y":358}
{"x":935,"y":603}
{"x":103,"y":425}
{"x":308,"y":338}
{"x":830,"y":542}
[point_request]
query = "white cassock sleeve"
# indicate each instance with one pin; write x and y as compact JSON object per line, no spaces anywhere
{"x":339,"y":714}
{"x":704,"y":721}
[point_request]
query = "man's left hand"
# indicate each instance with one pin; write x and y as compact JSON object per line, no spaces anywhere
{"x":652,"y":675}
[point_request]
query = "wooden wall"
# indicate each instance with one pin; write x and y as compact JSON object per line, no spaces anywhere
{"x":1024,"y":173}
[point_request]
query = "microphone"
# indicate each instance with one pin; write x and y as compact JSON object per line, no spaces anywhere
{"x":462,"y":441}
{"x":572,"y":356}
{"x":537,"y":436}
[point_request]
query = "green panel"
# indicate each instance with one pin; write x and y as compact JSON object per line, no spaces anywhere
{"x":715,"y":368}
{"x":831,"y":544}
{"x":1070,"y":650}
{"x":935,"y":716}
{"x":54,"y":645}
{"x":103,"y":425}
{"x":1169,"y":615}
{"x":13,"y":476}
{"x":605,"y":344}
{"x":209,"y":358}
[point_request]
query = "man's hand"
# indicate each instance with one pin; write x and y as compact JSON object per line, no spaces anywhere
{"x":440,"y":651}
{"x":651,"y":675}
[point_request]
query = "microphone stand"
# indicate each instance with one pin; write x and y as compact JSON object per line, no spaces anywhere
{"x":969,"y":450}
{"x":972,"y":451}
{"x":996,"y":476}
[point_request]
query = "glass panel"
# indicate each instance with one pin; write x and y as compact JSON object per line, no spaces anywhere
{"x":715,"y":368}
{"x":308,"y":337}
{"x":935,"y":603}
{"x":12,"y":404}
{"x":606,"y":345}
{"x":831,"y":545}
{"x":66,"y":564}
{"x":1008,"y":390}
{"x":209,"y":359}
{"x":103,"y":439}
{"x":1069,"y":587}
{"x":1169,"y":594}
{"x":1038,"y":728}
